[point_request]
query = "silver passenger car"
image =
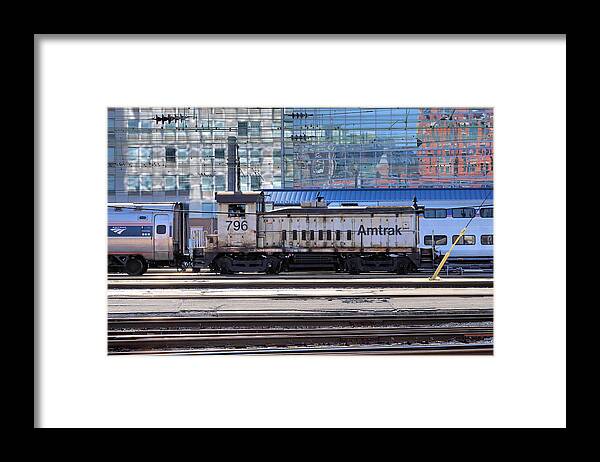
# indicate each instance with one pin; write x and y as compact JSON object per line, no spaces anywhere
{"x":141,"y":235}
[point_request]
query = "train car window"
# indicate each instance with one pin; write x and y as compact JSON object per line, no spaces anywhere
{"x":464,"y":240}
{"x":328,"y":234}
{"x":303,"y":235}
{"x":348,"y":235}
{"x":294,"y":235}
{"x":440,"y":239}
{"x":435,"y":213}
{"x":236,"y":210}
{"x":486,"y":213}
{"x":467,"y":212}
{"x":283,"y":235}
{"x":487,"y":239}
{"x":312,"y":235}
{"x":161,"y":229}
{"x":320,"y":234}
{"x":338,"y":235}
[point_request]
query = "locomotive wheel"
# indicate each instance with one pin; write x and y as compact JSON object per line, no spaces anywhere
{"x":353,"y":266}
{"x":223,"y":266}
{"x":403,"y":266}
{"x":135,"y":267}
{"x":275,"y":268}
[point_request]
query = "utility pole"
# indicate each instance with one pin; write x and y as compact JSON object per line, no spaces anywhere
{"x":233,"y":178}
{"x":282,"y":149}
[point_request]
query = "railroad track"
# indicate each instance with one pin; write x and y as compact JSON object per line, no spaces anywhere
{"x":301,"y":334}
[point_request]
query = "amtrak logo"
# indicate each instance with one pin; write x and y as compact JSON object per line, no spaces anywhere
{"x":118,"y":230}
{"x":380,"y":231}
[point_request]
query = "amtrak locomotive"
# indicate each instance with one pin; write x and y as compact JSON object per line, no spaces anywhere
{"x":353,"y":239}
{"x":146,"y":234}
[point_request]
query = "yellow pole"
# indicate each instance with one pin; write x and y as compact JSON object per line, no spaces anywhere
{"x":441,"y":265}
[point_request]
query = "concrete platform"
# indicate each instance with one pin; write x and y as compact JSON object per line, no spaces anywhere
{"x":299,"y":293}
{"x":351,"y":282}
{"x":231,"y":306}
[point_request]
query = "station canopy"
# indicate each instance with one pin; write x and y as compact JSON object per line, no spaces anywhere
{"x":399,"y":196}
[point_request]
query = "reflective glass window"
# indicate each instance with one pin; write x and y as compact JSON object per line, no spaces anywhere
{"x":133,"y":183}
{"x":487,"y":239}
{"x":219,"y":182}
{"x":439,"y":239}
{"x":487,"y":212}
{"x":464,"y":240}
{"x":170,"y":183}
{"x":467,"y":212}
{"x":170,"y":154}
{"x":145,"y":183}
{"x":435,"y":213}
{"x":183,"y":182}
{"x":145,"y":155}
{"x":132,"y":154}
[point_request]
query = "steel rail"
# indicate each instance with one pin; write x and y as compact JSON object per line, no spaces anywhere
{"x":448,"y":349}
{"x":292,"y":339}
{"x":130,"y":322}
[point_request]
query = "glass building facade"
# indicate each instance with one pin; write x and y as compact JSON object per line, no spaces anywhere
{"x":180,"y":153}
{"x":388,"y":147}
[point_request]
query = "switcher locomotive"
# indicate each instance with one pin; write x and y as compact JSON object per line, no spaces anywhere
{"x":353,"y":239}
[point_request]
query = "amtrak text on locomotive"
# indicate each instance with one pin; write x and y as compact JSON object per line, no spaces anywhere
{"x":379,"y":231}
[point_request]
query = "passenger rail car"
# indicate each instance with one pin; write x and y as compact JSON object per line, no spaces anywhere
{"x":440,"y":228}
{"x":353,"y":239}
{"x":146,"y":234}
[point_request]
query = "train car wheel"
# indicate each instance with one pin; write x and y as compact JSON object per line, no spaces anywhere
{"x":134,"y":267}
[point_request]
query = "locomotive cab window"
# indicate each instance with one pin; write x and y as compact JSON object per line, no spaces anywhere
{"x":236,"y":210}
{"x":464,"y":240}
{"x":161,"y":229}
{"x":440,"y":239}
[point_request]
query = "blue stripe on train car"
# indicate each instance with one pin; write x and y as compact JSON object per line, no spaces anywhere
{"x":129,"y":231}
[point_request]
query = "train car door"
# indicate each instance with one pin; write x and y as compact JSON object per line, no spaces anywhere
{"x":162,"y":237}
